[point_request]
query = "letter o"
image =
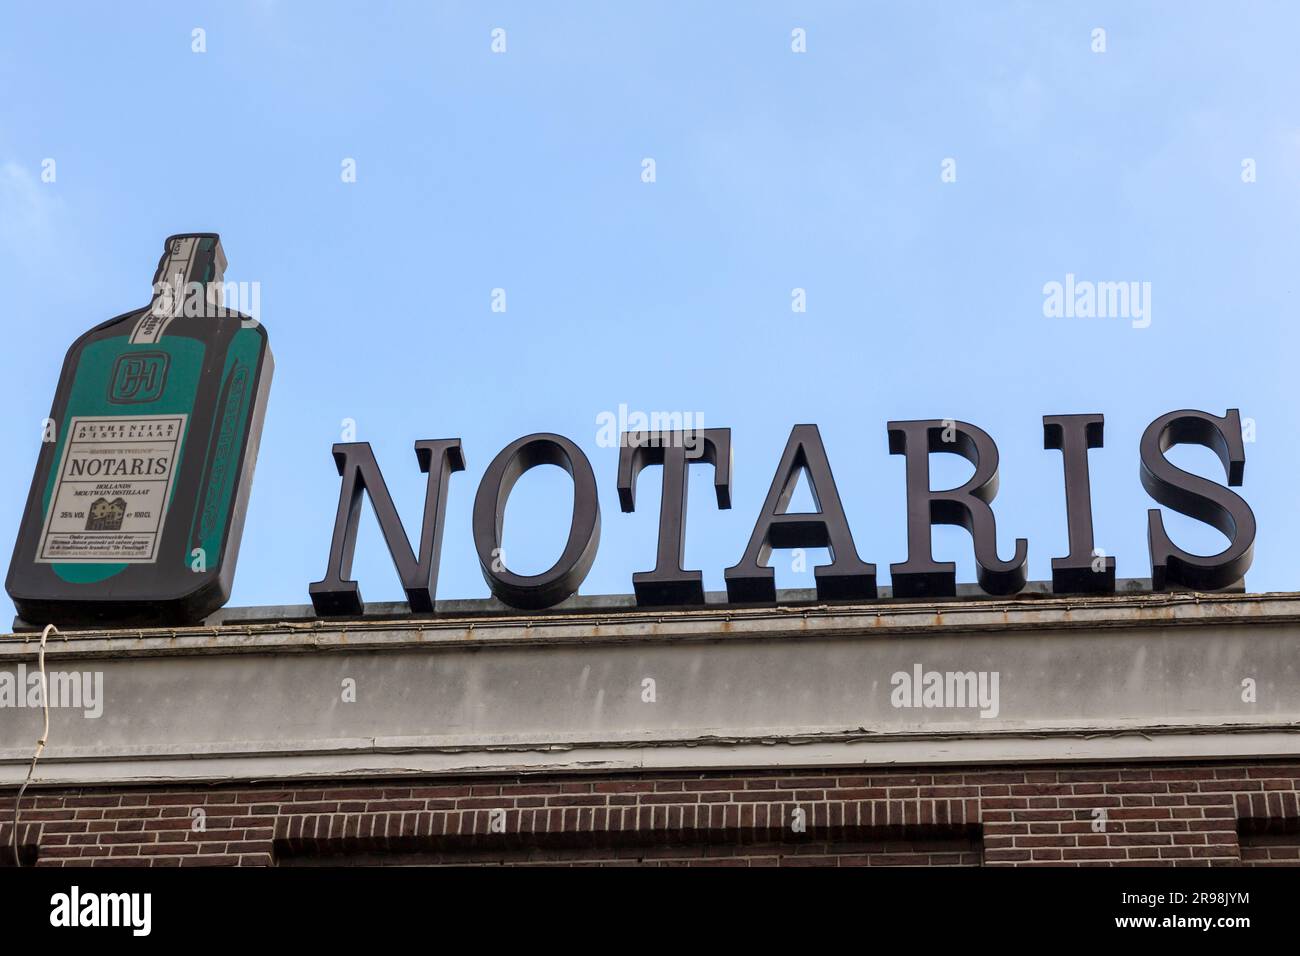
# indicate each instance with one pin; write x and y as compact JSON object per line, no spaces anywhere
{"x":532,"y":592}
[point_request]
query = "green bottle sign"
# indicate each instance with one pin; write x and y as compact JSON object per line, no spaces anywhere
{"x":137,"y":505}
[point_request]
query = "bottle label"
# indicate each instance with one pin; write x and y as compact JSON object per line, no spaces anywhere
{"x":114,"y":484}
{"x":151,"y":325}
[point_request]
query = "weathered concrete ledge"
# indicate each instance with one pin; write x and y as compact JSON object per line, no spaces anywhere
{"x":243,"y":634}
{"x":1134,"y":676}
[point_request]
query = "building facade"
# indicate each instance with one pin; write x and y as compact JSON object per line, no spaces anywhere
{"x":1136,"y":728}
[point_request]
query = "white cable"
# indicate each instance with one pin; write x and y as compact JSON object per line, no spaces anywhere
{"x":40,"y":744}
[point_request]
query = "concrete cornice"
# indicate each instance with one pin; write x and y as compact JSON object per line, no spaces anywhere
{"x":1030,"y":679}
{"x":599,"y":627}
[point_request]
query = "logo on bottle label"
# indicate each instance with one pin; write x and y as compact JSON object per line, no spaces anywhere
{"x":138,"y":377}
{"x":114,"y":482}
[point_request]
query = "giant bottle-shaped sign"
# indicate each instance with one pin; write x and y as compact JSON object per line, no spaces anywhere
{"x":137,"y":505}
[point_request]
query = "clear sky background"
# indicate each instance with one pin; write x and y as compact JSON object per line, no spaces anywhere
{"x":775,"y":170}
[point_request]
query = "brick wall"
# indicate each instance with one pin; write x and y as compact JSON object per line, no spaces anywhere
{"x":1241,"y":813}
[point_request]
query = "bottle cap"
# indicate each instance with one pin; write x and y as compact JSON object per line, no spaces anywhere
{"x":193,"y":257}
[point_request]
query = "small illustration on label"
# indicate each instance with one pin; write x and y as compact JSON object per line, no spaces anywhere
{"x":106,"y":515}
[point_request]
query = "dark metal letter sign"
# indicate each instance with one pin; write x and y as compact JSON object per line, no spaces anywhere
{"x":668,"y":583}
{"x":847,"y":577}
{"x":1198,"y":498}
{"x":137,"y":505}
{"x":552,"y":586}
{"x":1073,"y":435}
{"x":336,"y":594}
{"x":967,"y":506}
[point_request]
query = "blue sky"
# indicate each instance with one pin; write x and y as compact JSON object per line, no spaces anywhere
{"x":775,"y":170}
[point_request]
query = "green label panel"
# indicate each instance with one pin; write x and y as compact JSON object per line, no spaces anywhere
{"x":116,"y":379}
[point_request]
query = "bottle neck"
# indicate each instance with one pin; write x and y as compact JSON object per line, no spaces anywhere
{"x":192,"y":266}
{"x":187,"y":283}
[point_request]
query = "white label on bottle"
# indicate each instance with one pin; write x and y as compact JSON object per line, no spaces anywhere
{"x":150,"y":328}
{"x":114,"y":483}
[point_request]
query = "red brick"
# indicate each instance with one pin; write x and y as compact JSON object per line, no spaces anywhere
{"x":1183,"y":813}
